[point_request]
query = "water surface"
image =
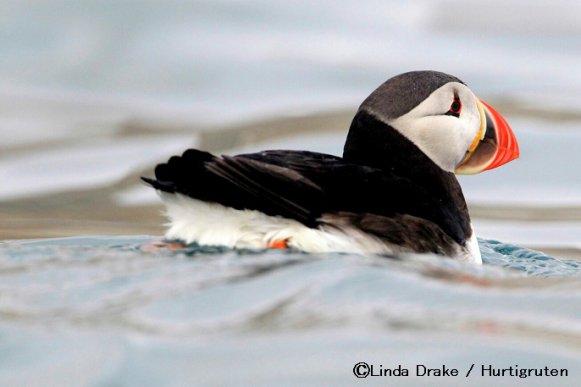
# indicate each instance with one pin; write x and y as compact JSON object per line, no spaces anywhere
{"x":98,"y":310}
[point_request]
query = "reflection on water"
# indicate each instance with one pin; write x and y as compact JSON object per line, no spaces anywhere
{"x":94,"y":94}
{"x":107,"y":294}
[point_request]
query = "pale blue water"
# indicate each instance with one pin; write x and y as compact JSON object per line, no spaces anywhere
{"x":100,"y":311}
{"x":75,"y":74}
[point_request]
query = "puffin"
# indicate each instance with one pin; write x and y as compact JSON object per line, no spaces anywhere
{"x":394,"y":190}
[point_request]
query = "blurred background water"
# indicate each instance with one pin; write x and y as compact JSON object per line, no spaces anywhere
{"x":94,"y":93}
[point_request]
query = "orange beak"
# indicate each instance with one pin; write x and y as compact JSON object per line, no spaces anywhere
{"x":494,"y":145}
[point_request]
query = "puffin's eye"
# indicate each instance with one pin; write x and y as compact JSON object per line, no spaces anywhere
{"x":455,"y":108}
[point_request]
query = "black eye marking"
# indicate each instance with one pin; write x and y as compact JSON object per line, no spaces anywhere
{"x":455,"y":108}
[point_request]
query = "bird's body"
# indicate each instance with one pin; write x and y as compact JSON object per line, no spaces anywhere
{"x":387,"y":193}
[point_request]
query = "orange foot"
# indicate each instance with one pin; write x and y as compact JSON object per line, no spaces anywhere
{"x":278,"y":244}
{"x":161,"y":246}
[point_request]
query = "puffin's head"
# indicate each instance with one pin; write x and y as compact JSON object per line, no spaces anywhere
{"x":442,"y":117}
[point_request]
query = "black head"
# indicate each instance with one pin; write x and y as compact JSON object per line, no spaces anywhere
{"x":400,"y":94}
{"x":434,"y":111}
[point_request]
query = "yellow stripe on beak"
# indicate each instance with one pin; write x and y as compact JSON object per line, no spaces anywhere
{"x":479,"y":135}
{"x":482,"y":130}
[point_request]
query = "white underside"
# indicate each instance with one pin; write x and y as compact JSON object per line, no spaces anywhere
{"x":472,"y":251}
{"x":205,"y":223}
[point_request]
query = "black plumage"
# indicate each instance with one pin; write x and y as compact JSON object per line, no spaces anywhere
{"x":384,"y":185}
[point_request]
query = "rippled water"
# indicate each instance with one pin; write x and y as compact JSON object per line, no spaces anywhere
{"x":95,"y":92}
{"x":98,"y":310}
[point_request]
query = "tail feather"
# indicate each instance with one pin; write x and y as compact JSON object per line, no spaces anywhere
{"x":162,"y":186}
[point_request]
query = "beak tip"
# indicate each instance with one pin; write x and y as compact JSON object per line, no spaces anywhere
{"x":502,"y":146}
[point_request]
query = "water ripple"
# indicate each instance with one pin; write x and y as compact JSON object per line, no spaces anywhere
{"x":92,"y":291}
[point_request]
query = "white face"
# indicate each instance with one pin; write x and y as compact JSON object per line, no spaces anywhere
{"x":443,"y":138}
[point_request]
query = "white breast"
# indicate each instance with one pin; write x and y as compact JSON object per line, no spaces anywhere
{"x":472,"y":251}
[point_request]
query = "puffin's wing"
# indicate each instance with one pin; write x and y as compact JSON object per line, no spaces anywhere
{"x":304,"y":186}
{"x":386,"y":199}
{"x":410,"y":232}
{"x":255,"y":181}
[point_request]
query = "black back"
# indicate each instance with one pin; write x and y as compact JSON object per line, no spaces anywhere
{"x":383,"y":183}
